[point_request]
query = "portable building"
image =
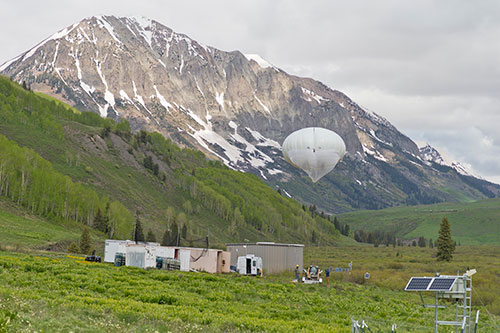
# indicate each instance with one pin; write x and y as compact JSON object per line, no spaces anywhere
{"x":276,"y":257}
{"x":165,"y":252}
{"x":114,"y":246}
{"x":145,"y":254}
{"x":249,"y":265}
{"x":140,"y":255}
{"x":206,"y":260}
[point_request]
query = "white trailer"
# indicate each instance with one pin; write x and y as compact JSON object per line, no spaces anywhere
{"x":165,"y":252}
{"x":249,"y":265}
{"x":114,"y":246}
{"x":140,"y":255}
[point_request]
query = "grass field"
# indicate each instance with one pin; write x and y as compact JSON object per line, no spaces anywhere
{"x":474,"y":223}
{"x":23,"y":231}
{"x":54,"y":292}
{"x":391,"y":268}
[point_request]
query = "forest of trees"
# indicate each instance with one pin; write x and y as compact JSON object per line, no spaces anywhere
{"x":239,"y":199}
{"x":31,"y":181}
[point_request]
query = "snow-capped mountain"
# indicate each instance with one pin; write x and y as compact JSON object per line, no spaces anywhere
{"x":430,"y":154}
{"x":235,"y":107}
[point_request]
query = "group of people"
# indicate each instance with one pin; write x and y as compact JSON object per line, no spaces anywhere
{"x":312,"y":270}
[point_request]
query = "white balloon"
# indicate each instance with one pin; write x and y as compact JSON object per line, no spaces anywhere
{"x":315,"y":150}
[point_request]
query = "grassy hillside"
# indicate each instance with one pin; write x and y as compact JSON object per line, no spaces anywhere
{"x":23,"y":231}
{"x":471,"y":223}
{"x":62,"y":293}
{"x":154,"y":177}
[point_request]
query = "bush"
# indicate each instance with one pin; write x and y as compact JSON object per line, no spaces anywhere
{"x":73,"y":248}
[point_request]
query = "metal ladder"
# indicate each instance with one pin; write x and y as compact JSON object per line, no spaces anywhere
{"x":465,"y":316}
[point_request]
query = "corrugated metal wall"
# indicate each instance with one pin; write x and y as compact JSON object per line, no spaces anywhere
{"x":276,"y":258}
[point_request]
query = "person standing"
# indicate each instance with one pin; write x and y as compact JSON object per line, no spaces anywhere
{"x":327,"y":274}
{"x":297,"y":273}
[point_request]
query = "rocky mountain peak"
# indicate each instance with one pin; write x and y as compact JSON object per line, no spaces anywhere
{"x":237,"y":108}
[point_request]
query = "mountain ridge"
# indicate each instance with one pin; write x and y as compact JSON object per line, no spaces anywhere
{"x":237,"y":108}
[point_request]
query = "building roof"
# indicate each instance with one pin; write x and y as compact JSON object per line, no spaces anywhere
{"x":265,"y":244}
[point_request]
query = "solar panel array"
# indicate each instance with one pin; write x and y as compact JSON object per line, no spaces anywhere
{"x":442,"y":284}
{"x":418,"y":283}
{"x":430,"y":284}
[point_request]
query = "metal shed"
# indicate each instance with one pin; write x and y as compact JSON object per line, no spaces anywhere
{"x":276,"y":257}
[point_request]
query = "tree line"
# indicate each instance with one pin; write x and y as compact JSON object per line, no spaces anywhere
{"x":31,"y":181}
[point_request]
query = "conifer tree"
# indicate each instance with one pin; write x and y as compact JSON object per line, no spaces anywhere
{"x":100,"y":221}
{"x":314,"y":237}
{"x":150,"y":237}
{"x":184,"y":231}
{"x":336,"y":223}
{"x":431,"y":245}
{"x":421,"y":241}
{"x":73,"y":248}
{"x":138,"y":234}
{"x":85,"y":241}
{"x":444,"y":243}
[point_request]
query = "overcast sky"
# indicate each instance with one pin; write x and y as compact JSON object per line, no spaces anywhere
{"x":432,"y":68}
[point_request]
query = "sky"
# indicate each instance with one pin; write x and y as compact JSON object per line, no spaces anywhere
{"x":432,"y":68}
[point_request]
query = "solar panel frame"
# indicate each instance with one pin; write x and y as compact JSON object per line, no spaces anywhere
{"x":418,"y":283}
{"x":442,"y":284}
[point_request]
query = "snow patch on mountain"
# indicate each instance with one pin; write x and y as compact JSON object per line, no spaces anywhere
{"x":375,"y":154}
{"x":310,"y":94}
{"x":263,"y":141}
{"x":55,"y":36}
{"x":162,"y":99}
{"x":261,"y":104}
{"x":144,"y":26}
{"x":220,"y":99}
{"x":103,"y":23}
{"x":260,"y":61}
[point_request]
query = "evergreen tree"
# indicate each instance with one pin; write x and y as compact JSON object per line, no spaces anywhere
{"x":148,"y":162}
{"x":85,"y":242}
{"x":345,"y":230}
{"x":138,"y":234}
{"x":413,"y":243}
{"x":106,"y":218}
{"x":314,"y":237}
{"x":150,"y":237}
{"x":73,"y":248}
{"x":421,"y":241}
{"x":336,"y":223}
{"x":431,"y":245}
{"x":184,"y":231}
{"x":370,"y":238}
{"x":155,"y":168}
{"x":100,"y":221}
{"x":444,"y":243}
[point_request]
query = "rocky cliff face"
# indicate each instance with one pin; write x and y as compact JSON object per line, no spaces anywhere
{"x":234,"y":107}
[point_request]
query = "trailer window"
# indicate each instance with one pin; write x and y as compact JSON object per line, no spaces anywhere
{"x":254,"y":263}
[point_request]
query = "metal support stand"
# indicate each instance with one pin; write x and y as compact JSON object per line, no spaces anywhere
{"x":461,"y":290}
